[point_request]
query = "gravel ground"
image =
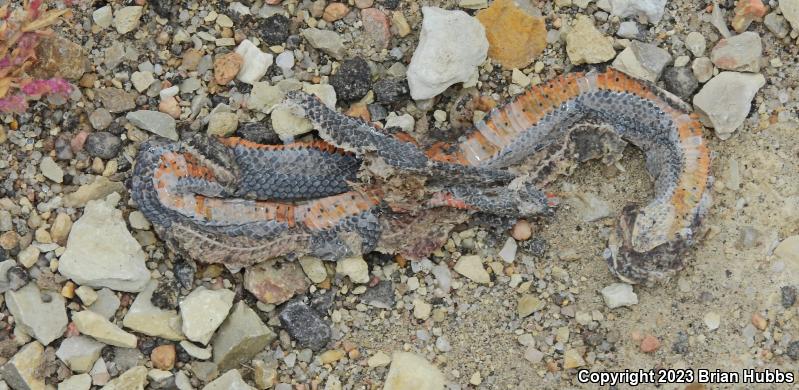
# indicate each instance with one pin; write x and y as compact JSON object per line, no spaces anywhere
{"x":93,"y":298}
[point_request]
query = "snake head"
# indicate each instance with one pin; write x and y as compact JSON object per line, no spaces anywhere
{"x":634,"y":265}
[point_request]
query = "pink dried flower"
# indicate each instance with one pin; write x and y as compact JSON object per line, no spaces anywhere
{"x":14,"y":103}
{"x":36,"y":88}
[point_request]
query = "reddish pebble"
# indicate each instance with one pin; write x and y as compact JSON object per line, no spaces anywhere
{"x":376,"y":27}
{"x":78,"y":141}
{"x":759,"y":322}
{"x":163,"y":357}
{"x":273,"y":2}
{"x":364,"y":3}
{"x":522,"y":230}
{"x":650,"y":344}
{"x":335,"y":11}
{"x":226,"y":67}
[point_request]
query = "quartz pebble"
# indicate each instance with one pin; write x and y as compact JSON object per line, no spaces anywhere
{"x":451,"y":46}
{"x":255,"y":62}
{"x":618,"y":295}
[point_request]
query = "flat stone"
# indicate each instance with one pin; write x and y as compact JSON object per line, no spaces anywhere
{"x":680,"y":81}
{"x":788,"y":249}
{"x":652,"y":9}
{"x":741,"y":52}
{"x":529,"y":304}
{"x":142,"y":80}
{"x":96,"y":326}
{"x":712,"y":320}
{"x":101,"y":252}
{"x":355,"y":268}
{"x":240,"y":337}
{"x":515,"y":37}
{"x":305,"y":325}
{"x":628,"y":29}
{"x":203,"y":311}
{"x":144,"y":317}
{"x":116,"y":100}
{"x":45,"y":320}
{"x":287,"y":125}
{"x":451,"y":46}
{"x":264,"y":97}
{"x":410,"y":371}
{"x":376,"y":28}
{"x":230,"y":380}
{"x":642,"y":60}
{"x":60,"y":57}
{"x":790,"y":10}
{"x":586,"y":45}
{"x":471,"y":266}
{"x":264,"y":374}
{"x":222,"y":124}
{"x":132,"y":379}
{"x":618,"y":295}
{"x":79,"y":352}
{"x":126,"y":19}
{"x":51,"y":170}
{"x":572,"y":359}
{"x":22,"y":372}
{"x":702,"y":68}
{"x":696,"y":43}
{"x":103,"y":16}
{"x":275,"y":283}
{"x":381,"y":295}
{"x":195,"y":351}
{"x":76,"y":382}
{"x":325,"y":40}
{"x":255,"y":62}
{"x":100,"y":118}
{"x":777,"y":24}
{"x":724,"y":102}
{"x":508,"y":251}
{"x":98,"y":189}
{"x":28,"y":256}
{"x":154,"y":122}
{"x":106,"y":304}
{"x":379,"y":359}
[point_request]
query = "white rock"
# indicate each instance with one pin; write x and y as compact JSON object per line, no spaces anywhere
{"x":230,"y":380}
{"x":103,"y":16}
{"x":619,"y":294}
{"x":652,"y":9}
{"x":628,"y":29}
{"x":285,"y":61}
{"x":79,"y":352}
{"x":790,"y":10}
{"x":127,"y":19}
{"x":314,"y":269}
{"x":355,"y":268}
{"x":101,"y":252}
{"x":142,"y":80}
{"x":452,"y":45}
{"x":325,"y":92}
{"x":51,"y":170}
{"x":46,"y":321}
{"x":421,"y":309}
{"x":92,"y":324}
{"x":471,"y":266}
{"x":138,"y":221}
{"x":76,"y":382}
{"x":203,"y":311}
{"x":723,"y":103}
{"x":144,"y":317}
{"x":410,"y":371}
{"x":287,"y":125}
{"x":712,"y":320}
{"x":405,"y":121}
{"x":508,"y":252}
{"x":255,"y":64}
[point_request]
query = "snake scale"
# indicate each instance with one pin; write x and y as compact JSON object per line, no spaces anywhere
{"x":236,"y":202}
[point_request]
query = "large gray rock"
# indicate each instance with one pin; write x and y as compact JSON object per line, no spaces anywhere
{"x":46,"y":321}
{"x":22,"y":371}
{"x":101,"y":252}
{"x":240,"y":337}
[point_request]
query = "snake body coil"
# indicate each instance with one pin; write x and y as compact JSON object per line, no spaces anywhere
{"x":236,"y":202}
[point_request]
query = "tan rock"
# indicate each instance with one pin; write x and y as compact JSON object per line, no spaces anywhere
{"x":335,"y":11}
{"x":226,"y":67}
{"x":515,"y":37}
{"x":586,"y":45}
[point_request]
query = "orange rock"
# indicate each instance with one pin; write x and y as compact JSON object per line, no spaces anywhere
{"x":170,"y":106}
{"x":359,"y":110}
{"x":650,"y":344}
{"x":745,"y":12}
{"x":759,"y":322}
{"x":163,"y":357}
{"x":226,"y":67}
{"x":515,"y":37}
{"x":522,"y":230}
{"x":335,"y":11}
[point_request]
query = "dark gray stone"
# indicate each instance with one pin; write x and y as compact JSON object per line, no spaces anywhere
{"x":103,"y":144}
{"x":680,"y":81}
{"x":305,"y":325}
